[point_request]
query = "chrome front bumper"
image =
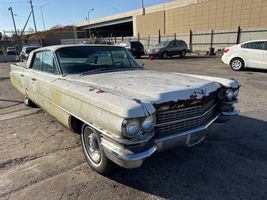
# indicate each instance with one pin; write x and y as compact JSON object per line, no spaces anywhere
{"x":127,"y":159}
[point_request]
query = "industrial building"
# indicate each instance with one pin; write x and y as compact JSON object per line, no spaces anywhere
{"x":181,"y":16}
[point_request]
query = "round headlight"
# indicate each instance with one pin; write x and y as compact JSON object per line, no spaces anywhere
{"x":236,"y":93}
{"x":148,"y":123}
{"x":229,"y":94}
{"x":131,"y":128}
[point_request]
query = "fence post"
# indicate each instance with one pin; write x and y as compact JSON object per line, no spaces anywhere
{"x":159,"y":36}
{"x":122,"y":38}
{"x":190,"y":41}
{"x":211,"y":38}
{"x":148,"y":41}
{"x":174,"y":36}
{"x":238,"y":35}
{"x":138,"y":36}
{"x":115,"y":39}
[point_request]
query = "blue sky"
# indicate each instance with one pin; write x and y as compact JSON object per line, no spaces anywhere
{"x":63,"y":12}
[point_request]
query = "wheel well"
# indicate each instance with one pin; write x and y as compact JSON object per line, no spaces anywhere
{"x":75,"y":124}
{"x":238,"y":58}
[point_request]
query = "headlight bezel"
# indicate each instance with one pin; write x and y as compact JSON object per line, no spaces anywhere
{"x":125,"y":129}
{"x":152,"y":119}
{"x":228,"y":94}
{"x":140,"y":129}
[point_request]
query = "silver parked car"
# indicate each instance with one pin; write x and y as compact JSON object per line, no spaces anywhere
{"x":169,"y":48}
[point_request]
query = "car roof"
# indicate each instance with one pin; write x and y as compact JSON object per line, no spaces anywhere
{"x":31,"y":47}
{"x":57,"y":47}
{"x":263,"y":40}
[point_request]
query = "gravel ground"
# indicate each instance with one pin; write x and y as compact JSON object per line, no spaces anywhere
{"x":40,"y":159}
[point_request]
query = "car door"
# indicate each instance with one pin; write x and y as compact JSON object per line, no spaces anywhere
{"x":44,"y":78}
{"x":253,"y":53}
{"x":172,"y":48}
{"x":30,"y":76}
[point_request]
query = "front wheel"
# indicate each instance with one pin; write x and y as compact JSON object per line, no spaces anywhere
{"x":237,"y":64}
{"x":29,"y":102}
{"x":164,"y":55}
{"x":182,"y":54}
{"x":94,"y":154}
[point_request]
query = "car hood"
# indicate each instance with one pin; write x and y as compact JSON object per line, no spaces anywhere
{"x":147,"y":85}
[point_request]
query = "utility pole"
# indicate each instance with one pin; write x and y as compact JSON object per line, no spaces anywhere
{"x":34,"y":20}
{"x":12,"y":14}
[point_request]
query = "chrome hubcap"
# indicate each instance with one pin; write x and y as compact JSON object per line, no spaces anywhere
{"x":91,"y":145}
{"x":236,"y":64}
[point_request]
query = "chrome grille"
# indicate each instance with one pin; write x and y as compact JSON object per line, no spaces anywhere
{"x":170,"y":121}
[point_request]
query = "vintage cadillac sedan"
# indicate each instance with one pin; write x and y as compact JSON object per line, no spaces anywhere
{"x":123,"y":113}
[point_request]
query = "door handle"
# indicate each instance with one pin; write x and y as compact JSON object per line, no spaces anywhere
{"x":22,"y":75}
{"x":245,"y":51}
{"x":34,"y":79}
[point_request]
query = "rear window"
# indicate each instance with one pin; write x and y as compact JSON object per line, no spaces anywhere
{"x":136,"y":44}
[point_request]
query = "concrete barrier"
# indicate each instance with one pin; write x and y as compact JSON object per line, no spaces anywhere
{"x":9,"y":58}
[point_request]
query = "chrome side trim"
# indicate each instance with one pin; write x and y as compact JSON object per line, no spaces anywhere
{"x":183,"y":133}
{"x":229,"y":102}
{"x":141,"y":155}
{"x":232,"y":113}
{"x":190,"y":118}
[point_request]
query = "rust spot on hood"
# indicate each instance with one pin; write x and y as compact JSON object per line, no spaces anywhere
{"x":96,"y":89}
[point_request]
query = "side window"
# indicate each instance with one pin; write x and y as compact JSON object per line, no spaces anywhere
{"x":44,"y":61}
{"x":48,"y":63}
{"x":37,"y":62}
{"x":179,"y":44}
{"x":254,"y":45}
{"x":172,"y":44}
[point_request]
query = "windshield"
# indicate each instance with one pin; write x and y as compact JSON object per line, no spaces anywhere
{"x":81,"y":59}
{"x":162,"y":44}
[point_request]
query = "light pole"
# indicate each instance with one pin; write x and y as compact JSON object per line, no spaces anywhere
{"x":89,"y":21}
{"x":143,"y":7}
{"x":43,"y":14}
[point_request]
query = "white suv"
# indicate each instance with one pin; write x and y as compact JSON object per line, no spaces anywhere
{"x":249,"y":54}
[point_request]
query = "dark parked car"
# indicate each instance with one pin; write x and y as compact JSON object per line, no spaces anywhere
{"x":169,"y":48}
{"x":23,"y":56}
{"x":135,"y":47}
{"x":11,"y":51}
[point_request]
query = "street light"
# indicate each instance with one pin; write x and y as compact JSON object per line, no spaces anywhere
{"x":89,"y":15}
{"x":143,"y":7}
{"x":43,"y":13}
{"x":89,"y":21}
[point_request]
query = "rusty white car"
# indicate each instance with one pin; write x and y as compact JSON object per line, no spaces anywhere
{"x":123,"y":113}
